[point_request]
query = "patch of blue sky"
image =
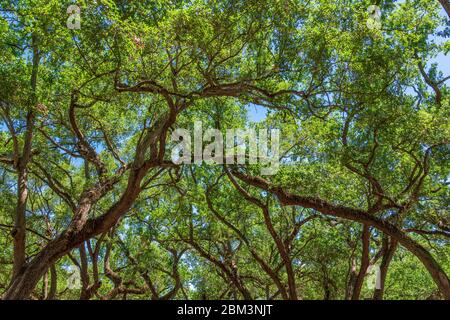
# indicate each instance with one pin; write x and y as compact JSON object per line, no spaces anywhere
{"x":256,"y":113}
{"x":442,"y":60}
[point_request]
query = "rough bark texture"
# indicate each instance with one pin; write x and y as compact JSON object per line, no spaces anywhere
{"x":82,"y":228}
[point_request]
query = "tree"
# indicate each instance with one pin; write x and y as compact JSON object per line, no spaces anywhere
{"x":85,"y":155}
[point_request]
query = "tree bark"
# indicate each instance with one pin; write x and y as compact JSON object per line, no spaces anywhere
{"x":351,"y":280}
{"x":446,"y":5}
{"x":20,"y":222}
{"x":19,"y":241}
{"x":80,"y":230}
{"x":287,"y":261}
{"x":436,"y":272}
{"x":364,"y":263}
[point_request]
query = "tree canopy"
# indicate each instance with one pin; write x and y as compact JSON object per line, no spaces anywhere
{"x":92,"y":205}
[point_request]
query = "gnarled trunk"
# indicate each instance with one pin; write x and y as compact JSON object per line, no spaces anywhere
{"x":25,"y":281}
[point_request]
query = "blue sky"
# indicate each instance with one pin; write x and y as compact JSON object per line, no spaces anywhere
{"x":442,"y":60}
{"x":258,"y":113}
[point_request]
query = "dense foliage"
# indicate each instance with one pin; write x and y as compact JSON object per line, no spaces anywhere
{"x":88,"y":186}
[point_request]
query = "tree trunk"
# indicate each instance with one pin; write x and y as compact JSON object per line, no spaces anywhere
{"x":364,"y":263}
{"x":351,"y":280}
{"x":82,"y":228}
{"x":446,"y":5}
{"x":19,"y":223}
{"x":391,"y":247}
{"x":22,"y":179}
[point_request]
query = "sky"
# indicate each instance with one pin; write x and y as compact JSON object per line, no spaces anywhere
{"x":258,"y":113}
